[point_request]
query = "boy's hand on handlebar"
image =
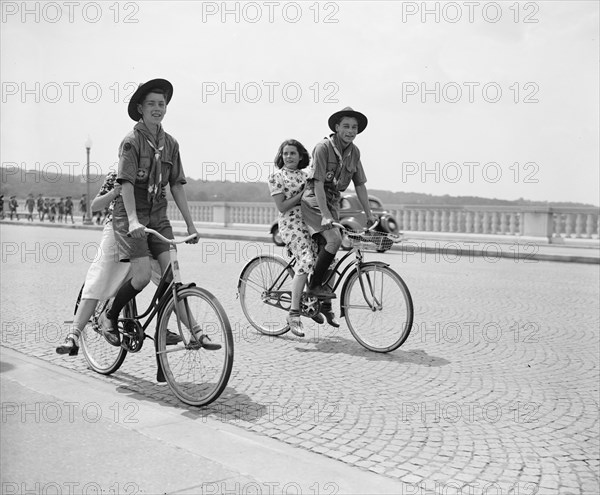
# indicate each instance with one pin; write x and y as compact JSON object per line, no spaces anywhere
{"x":192,"y":231}
{"x":371,"y":220}
{"x":326,"y":222}
{"x":136,"y":230}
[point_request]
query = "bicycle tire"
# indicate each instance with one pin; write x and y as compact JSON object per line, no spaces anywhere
{"x":101,"y":356}
{"x":387,"y":327}
{"x":195,"y":375}
{"x":256,"y":279}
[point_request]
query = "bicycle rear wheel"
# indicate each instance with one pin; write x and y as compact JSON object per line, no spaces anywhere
{"x":195,"y":375}
{"x":378,"y":308}
{"x":256,"y":289}
{"x":101,"y":357}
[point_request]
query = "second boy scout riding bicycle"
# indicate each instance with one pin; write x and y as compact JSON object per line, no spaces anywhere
{"x":336,"y":162}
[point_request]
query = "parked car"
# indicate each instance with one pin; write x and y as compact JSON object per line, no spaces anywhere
{"x":353,"y":217}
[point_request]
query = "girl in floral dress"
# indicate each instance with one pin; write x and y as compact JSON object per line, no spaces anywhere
{"x":286,"y":185}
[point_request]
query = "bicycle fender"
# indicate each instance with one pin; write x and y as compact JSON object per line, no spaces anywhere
{"x":262,"y":256}
{"x":187,"y":286}
{"x":345,"y":287}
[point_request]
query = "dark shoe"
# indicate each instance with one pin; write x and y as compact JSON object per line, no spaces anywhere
{"x":321,"y":292}
{"x":109,"y":330}
{"x":69,"y":346}
{"x":318,"y":318}
{"x":173,"y":338}
{"x":331,"y":319}
{"x":205,"y":341}
{"x":295,"y":325}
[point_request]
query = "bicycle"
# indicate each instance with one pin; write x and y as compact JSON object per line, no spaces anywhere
{"x":374,"y":301}
{"x":196,"y":376}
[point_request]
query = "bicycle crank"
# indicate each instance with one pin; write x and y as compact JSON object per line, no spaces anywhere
{"x":133,"y":335}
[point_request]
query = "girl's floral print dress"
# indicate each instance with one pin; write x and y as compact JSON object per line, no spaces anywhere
{"x":291,"y":226}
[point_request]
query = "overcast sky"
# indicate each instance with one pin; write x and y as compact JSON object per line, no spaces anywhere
{"x":498,"y":100}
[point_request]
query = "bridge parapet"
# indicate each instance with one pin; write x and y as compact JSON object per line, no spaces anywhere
{"x":552,"y":224}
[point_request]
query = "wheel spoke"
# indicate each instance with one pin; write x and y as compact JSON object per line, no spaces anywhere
{"x":378,"y":308}
{"x":101,"y":356}
{"x":262,"y":283}
{"x":195,"y":374}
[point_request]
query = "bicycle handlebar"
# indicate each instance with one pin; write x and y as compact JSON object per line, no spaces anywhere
{"x":343,"y":227}
{"x":170,"y":241}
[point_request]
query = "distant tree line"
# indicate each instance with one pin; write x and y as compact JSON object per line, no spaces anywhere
{"x":53,"y":185}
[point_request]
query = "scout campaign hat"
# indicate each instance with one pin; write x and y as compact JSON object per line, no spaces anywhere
{"x":143,"y":90}
{"x":348,"y":112}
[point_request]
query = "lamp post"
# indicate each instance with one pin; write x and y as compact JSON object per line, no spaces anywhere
{"x":88,"y":203}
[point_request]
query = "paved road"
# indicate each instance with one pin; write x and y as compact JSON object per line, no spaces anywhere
{"x":496,"y":388}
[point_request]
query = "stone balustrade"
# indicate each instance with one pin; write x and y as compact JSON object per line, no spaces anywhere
{"x":552,"y":224}
{"x":225,"y":214}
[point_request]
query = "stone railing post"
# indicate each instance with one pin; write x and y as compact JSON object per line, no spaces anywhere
{"x":538,"y":223}
{"x":221,"y":214}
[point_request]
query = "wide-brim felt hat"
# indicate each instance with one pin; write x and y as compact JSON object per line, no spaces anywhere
{"x":143,"y":90}
{"x":348,"y":112}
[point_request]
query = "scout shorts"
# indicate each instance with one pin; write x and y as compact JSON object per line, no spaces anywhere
{"x":130,"y":248}
{"x":311,"y":214}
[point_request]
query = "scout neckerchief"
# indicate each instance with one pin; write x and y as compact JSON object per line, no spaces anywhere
{"x":155,"y":174}
{"x":338,"y":172}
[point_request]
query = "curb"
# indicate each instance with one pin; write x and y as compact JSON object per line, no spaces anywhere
{"x":409,"y":246}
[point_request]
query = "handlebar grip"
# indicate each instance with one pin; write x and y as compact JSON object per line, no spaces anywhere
{"x":375,"y":224}
{"x":164,"y":239}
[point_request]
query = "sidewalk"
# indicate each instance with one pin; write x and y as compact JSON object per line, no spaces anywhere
{"x":493,"y":388}
{"x":441,"y":246}
{"x":64,"y":432}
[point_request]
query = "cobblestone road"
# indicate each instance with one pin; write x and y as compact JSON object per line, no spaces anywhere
{"x":496,"y":389}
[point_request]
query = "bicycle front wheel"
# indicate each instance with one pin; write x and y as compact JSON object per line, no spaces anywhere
{"x":197,"y":376}
{"x":378,"y":308}
{"x":265,"y":283}
{"x":101,"y":356}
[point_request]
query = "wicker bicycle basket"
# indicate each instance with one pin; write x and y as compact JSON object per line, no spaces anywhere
{"x":370,"y":240}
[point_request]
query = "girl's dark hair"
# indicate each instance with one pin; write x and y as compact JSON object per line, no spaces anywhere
{"x":304,"y":158}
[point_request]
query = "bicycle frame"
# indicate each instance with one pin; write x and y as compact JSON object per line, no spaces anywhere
{"x":169,"y":284}
{"x":195,"y":377}
{"x":374,"y":300}
{"x":159,"y":300}
{"x":341,"y":275}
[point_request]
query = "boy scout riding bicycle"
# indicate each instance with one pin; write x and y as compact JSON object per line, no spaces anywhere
{"x":148,"y":160}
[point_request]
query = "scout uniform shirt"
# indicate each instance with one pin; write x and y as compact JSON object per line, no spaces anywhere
{"x":334,"y":170}
{"x":136,"y":159}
